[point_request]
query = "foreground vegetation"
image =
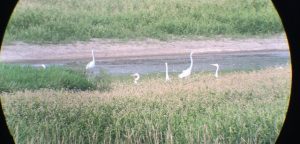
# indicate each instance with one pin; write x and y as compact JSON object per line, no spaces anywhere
{"x":238,"y":107}
{"x":16,"y":78}
{"x":41,"y":21}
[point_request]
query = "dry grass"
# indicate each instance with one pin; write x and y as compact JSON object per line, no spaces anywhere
{"x":238,"y":107}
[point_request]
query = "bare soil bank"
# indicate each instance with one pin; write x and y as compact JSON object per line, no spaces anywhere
{"x":134,"y":49}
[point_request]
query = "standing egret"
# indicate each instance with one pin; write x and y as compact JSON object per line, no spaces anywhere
{"x":137,"y":77}
{"x":187,"y":72}
{"x":43,"y":65}
{"x":216,"y":65}
{"x":279,"y":67}
{"x":91,"y":64}
{"x":40,"y":65}
{"x":167,"y":72}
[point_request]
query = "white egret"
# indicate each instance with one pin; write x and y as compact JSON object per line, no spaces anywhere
{"x":187,"y":72}
{"x":279,"y":67}
{"x":137,"y":77}
{"x":167,"y":72}
{"x":40,"y":65}
{"x":216,"y":65}
{"x":43,"y":66}
{"x":91,"y":64}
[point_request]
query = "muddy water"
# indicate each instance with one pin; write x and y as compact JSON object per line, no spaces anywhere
{"x":230,"y":61}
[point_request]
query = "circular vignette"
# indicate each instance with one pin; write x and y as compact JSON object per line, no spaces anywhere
{"x":288,"y":12}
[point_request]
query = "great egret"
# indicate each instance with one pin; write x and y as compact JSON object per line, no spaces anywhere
{"x":187,"y":72}
{"x":91,"y":64}
{"x":216,"y":65}
{"x":44,"y":66}
{"x":280,"y":67}
{"x":40,"y":65}
{"x":137,"y":77}
{"x":167,"y":72}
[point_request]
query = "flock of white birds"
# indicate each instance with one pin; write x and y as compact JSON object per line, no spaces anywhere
{"x":184,"y":74}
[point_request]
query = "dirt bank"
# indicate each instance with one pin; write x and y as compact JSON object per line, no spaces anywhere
{"x":111,"y":49}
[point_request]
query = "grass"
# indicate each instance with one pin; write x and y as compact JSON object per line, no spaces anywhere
{"x":44,"y":21}
{"x":16,"y":78}
{"x":238,"y":107}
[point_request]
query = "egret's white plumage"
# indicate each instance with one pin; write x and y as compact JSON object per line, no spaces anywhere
{"x":91,"y":64}
{"x":43,"y":65}
{"x":167,"y":72}
{"x":280,"y":67}
{"x":187,"y":72}
{"x":136,"y":77}
{"x":216,"y":73}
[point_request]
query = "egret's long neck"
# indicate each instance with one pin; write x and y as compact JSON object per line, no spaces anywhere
{"x":167,"y":74}
{"x":93,"y":55}
{"x":191,"y":61}
{"x":166,"y":69}
{"x":216,"y":74}
{"x":137,"y":77}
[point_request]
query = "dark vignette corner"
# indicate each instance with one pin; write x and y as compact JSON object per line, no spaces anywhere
{"x":289,"y":13}
{"x":6,"y":8}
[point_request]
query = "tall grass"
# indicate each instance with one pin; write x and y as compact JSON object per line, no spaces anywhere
{"x":16,"y":78}
{"x":41,"y":21}
{"x":239,"y":107}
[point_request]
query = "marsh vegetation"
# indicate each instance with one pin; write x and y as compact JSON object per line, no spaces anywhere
{"x":238,"y":107}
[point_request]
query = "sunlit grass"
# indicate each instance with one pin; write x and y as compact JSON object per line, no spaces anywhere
{"x":18,"y":78}
{"x":41,"y":21}
{"x":238,"y":107}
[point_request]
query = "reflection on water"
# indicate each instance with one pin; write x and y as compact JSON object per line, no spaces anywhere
{"x":234,"y":61}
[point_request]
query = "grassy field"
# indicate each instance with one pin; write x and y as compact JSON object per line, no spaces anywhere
{"x":17,"y":78}
{"x":55,"y":21}
{"x":238,"y":107}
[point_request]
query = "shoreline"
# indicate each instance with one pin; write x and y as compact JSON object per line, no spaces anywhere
{"x":145,"y":49}
{"x":143,"y":57}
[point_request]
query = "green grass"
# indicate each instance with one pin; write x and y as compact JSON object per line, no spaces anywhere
{"x":44,"y":21}
{"x":15,"y":78}
{"x":238,"y":107}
